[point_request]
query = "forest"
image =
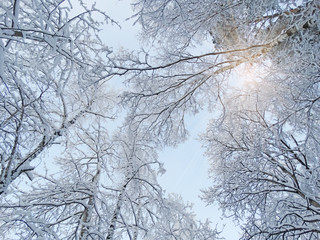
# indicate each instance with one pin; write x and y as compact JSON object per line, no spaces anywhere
{"x":82,"y":124}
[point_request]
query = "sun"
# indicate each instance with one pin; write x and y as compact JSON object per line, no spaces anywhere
{"x":248,"y":74}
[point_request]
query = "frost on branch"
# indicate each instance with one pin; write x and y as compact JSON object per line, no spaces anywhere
{"x":264,"y":159}
{"x":263,"y":146}
{"x":49,"y":62}
{"x":184,"y":73}
{"x":107,"y":189}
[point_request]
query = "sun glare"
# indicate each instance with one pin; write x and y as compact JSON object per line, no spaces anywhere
{"x":248,"y":74}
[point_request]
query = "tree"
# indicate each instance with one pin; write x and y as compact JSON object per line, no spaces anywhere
{"x":53,"y":73}
{"x":179,"y":78}
{"x":178,"y":222}
{"x":264,"y":160}
{"x":50,"y":68}
{"x":106,"y":189}
{"x":263,"y":147}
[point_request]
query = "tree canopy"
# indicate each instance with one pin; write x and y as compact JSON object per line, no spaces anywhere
{"x":262,"y":141}
{"x":263,"y":146}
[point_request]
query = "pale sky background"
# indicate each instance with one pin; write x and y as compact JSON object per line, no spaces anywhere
{"x":186,"y":167}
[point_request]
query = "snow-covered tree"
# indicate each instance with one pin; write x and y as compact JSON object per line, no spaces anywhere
{"x":53,"y":71}
{"x":50,"y":64}
{"x":265,"y":164}
{"x":177,"y":222}
{"x":193,"y":46}
{"x":263,"y":148}
{"x":106,"y":189}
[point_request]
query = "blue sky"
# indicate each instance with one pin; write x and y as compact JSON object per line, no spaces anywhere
{"x":187,"y":174}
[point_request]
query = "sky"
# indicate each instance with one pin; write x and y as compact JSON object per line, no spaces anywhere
{"x":187,"y":173}
{"x":186,"y":167}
